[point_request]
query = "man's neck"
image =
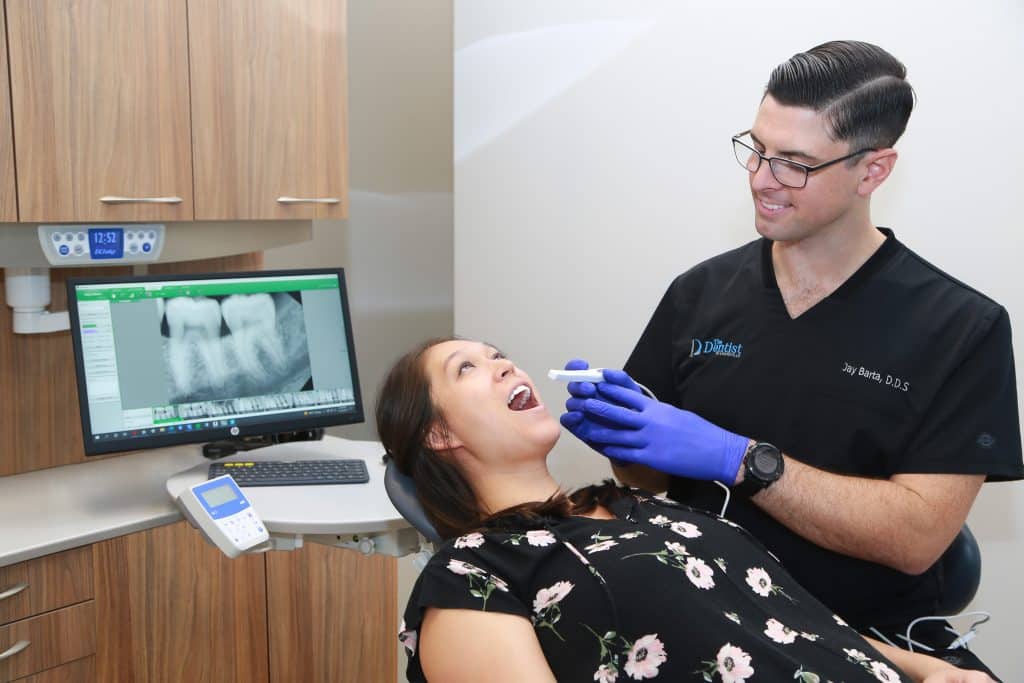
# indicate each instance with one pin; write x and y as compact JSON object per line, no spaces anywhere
{"x":810,"y":269}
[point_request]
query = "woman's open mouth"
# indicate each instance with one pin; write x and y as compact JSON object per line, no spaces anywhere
{"x":522,"y":398}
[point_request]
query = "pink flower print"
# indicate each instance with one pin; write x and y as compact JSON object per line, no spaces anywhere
{"x":732,"y":616}
{"x":551,"y":595}
{"x":462,"y":568}
{"x":660,"y":520}
{"x":699,"y":573}
{"x":839,"y":621}
{"x":540,"y":537}
{"x":778,"y":632}
{"x":676,"y":548}
{"x":599,"y":546}
{"x":498,"y":583}
{"x":408,"y":637}
{"x":883,"y":673}
{"x":809,"y":636}
{"x":631,"y":535}
{"x":855,"y":655}
{"x":759,"y":581}
{"x":733,"y":664}
{"x":685,"y":529}
{"x":644,"y":658}
{"x":470,"y":541}
{"x":606,"y":674}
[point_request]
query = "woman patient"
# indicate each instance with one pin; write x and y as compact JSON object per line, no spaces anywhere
{"x":606,"y":584}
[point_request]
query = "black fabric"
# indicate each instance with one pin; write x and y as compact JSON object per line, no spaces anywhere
{"x":662,"y":591}
{"x":902,"y":369}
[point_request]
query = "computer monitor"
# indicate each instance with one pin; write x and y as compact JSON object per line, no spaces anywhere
{"x":173,"y":359}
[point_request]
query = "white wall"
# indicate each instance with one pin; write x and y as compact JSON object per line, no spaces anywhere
{"x":592,"y":165}
{"x":396,"y":246}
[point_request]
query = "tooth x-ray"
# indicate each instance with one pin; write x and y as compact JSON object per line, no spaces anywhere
{"x":237,"y":345}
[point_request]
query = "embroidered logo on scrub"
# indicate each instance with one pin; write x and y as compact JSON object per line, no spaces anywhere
{"x":715,"y":347}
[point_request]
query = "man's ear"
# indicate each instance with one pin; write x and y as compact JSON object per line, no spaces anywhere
{"x":880,"y":165}
{"x":440,"y":439}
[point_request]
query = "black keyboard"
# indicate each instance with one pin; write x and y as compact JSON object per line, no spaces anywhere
{"x":296,"y":473}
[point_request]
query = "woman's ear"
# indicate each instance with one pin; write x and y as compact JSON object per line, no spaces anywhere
{"x":440,"y":439}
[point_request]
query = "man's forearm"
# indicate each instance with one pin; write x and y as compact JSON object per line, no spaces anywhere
{"x":904,"y":522}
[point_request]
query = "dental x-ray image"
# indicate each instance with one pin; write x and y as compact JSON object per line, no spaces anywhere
{"x":225,"y":347}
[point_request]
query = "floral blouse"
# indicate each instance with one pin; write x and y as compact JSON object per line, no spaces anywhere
{"x":662,"y":591}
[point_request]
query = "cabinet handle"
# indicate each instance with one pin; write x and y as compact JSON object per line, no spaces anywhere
{"x":308,"y":200}
{"x":14,"y":649}
{"x":140,"y":200}
{"x":13,"y":590}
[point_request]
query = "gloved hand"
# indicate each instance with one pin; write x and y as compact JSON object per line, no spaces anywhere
{"x":623,"y":424}
{"x":573,"y":419}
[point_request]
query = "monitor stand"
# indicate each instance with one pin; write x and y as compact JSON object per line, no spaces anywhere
{"x":225,"y":447}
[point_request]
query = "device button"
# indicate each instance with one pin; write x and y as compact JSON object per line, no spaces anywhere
{"x":130,"y":235}
{"x":56,"y":237}
{"x":133,"y":248}
{"x":151,"y":235}
{"x":146,"y":247}
{"x":79,"y":249}
{"x":80,"y":237}
{"x":63,"y":250}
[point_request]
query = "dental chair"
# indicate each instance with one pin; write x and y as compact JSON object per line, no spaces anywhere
{"x":402,"y":492}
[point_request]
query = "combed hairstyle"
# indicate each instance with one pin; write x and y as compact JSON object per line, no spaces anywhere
{"x":406,"y":415}
{"x":861,"y":89}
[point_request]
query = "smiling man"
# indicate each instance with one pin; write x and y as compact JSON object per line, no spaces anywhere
{"x":853,"y":395}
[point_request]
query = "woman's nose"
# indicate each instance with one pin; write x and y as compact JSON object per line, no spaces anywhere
{"x":505,"y":367}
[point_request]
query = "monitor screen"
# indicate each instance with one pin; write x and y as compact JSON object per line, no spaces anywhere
{"x":165,"y":360}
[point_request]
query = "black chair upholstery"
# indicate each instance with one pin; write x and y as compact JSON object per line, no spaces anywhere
{"x":961,"y":573}
{"x":402,"y":493}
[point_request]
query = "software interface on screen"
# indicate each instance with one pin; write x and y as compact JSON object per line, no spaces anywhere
{"x":208,"y":355}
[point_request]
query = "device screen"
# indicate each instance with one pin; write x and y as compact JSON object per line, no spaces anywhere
{"x":106,"y":242}
{"x":216,"y":497}
{"x":183,"y":359}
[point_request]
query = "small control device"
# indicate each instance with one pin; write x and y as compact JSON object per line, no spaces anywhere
{"x":591,"y":375}
{"x":220,"y":510}
{"x":66,"y":245}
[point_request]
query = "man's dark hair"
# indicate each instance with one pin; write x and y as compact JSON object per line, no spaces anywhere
{"x":860,"y":88}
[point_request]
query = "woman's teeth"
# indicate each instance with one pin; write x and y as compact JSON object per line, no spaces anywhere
{"x":520,"y":397}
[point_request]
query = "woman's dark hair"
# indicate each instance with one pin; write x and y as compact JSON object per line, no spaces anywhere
{"x":406,"y":415}
{"x":861,"y":88}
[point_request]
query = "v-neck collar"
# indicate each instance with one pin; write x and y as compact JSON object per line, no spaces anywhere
{"x":875,"y":262}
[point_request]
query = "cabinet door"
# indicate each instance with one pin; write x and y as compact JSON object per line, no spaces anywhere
{"x":171,"y":607}
{"x":8,"y":201}
{"x":333,"y":616}
{"x":268,"y":109}
{"x":99,"y":92}
{"x":49,"y":640}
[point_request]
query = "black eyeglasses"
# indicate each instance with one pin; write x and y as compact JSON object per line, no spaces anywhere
{"x":787,"y":172}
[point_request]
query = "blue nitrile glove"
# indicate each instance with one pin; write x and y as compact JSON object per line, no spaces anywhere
{"x":625,"y":425}
{"x":573,"y":419}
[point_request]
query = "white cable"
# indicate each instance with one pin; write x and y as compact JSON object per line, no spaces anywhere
{"x":882,"y":636}
{"x":728,"y":493}
{"x":961,"y":639}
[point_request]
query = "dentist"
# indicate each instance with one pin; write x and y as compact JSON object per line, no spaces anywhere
{"x":854,"y":396}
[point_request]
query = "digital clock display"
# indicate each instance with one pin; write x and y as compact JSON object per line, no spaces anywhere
{"x":106,"y":243}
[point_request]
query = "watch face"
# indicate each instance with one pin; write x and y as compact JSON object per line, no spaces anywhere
{"x":766,"y":462}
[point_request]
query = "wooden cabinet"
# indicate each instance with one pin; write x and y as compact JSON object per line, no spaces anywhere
{"x":47,"y":617}
{"x":268,"y":109}
{"x":99,"y":92}
{"x":170,"y":607}
{"x":123,"y":109}
{"x":8,"y":198}
{"x":333,"y":616}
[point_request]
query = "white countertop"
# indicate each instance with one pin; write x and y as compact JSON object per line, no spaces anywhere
{"x":56,"y":509}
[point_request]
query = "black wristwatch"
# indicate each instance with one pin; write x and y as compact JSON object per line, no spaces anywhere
{"x":762,"y":466}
